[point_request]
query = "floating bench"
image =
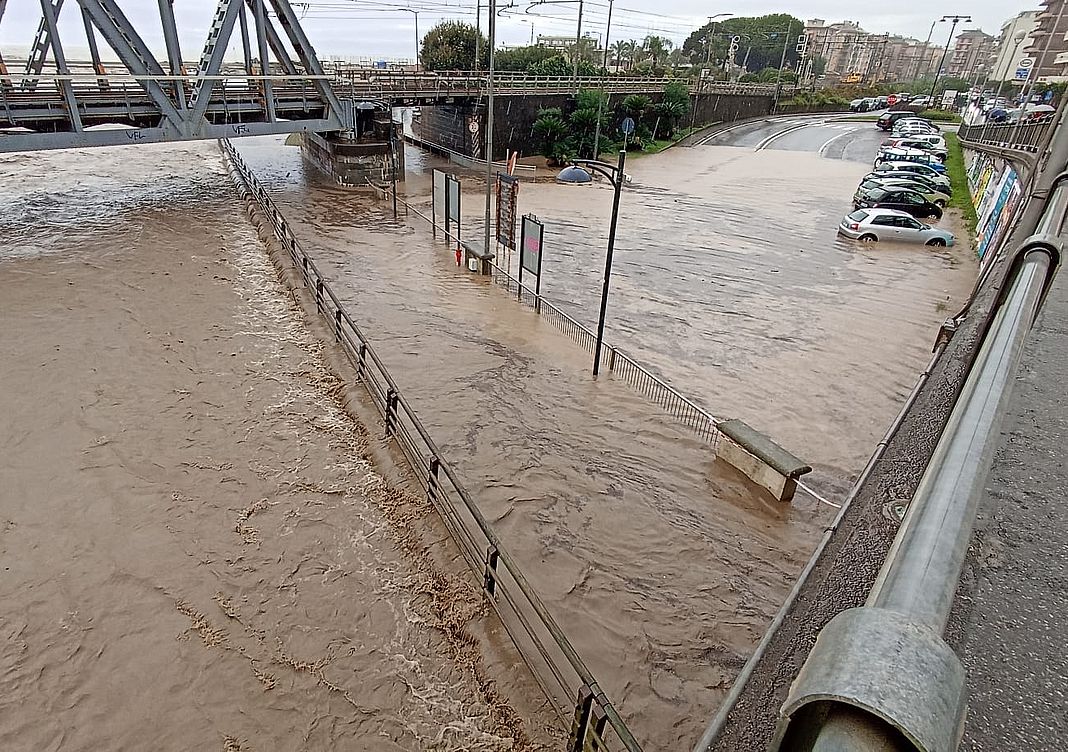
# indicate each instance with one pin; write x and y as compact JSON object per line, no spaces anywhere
{"x":762,"y":460}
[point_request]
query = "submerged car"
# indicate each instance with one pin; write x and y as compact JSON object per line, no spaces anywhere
{"x":901,"y":199}
{"x":915,"y":168}
{"x":936,"y":197}
{"x":872,"y":225}
{"x":939,"y":183}
{"x":892,"y":154}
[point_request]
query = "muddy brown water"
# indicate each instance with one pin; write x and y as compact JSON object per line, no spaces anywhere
{"x":195,"y":552}
{"x":663,"y":566}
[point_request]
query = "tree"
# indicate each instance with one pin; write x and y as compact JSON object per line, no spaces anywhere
{"x":558,"y":65}
{"x":636,"y":105}
{"x":521,"y":58}
{"x":451,"y":45}
{"x":620,"y":50}
{"x":819,"y":66}
{"x":552,"y":128}
{"x":765,"y":35}
{"x":657,"y":48}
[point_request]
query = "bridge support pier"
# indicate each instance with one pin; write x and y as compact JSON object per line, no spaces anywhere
{"x":354,"y":163}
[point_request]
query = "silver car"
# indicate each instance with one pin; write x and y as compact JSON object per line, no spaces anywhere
{"x":871,"y":225}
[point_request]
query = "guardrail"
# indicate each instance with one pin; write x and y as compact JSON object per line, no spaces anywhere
{"x":527,"y":172}
{"x":567,"y":682}
{"x":881,"y":677}
{"x":383,"y":83}
{"x":1028,"y":136}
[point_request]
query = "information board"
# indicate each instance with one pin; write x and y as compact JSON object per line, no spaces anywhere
{"x":439,"y":200}
{"x":507,"y":209}
{"x":531,"y":240}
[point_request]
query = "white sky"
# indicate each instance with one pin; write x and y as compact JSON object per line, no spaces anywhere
{"x":377,"y":28}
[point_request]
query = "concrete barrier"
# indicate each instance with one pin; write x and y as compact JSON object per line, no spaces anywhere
{"x":761,"y":460}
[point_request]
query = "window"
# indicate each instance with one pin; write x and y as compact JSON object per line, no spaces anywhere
{"x":908,"y":223}
{"x":859,"y":216}
{"x":912,"y":198}
{"x":885,"y":220}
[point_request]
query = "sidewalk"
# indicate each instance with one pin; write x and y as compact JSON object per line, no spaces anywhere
{"x":1009,"y":622}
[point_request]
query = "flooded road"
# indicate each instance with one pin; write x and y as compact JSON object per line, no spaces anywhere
{"x":729,"y":280}
{"x":196,"y":553}
{"x":184,"y":499}
{"x":662,"y":566}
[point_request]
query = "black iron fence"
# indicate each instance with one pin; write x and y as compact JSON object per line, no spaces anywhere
{"x":567,"y":682}
{"x":1026,"y":136}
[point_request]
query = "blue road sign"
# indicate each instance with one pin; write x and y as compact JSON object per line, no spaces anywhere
{"x":627,"y":126}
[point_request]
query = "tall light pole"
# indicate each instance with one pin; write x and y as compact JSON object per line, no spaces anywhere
{"x":922,"y":61}
{"x":578,"y":43}
{"x":607,"y":35}
{"x":489,"y":120}
{"x":417,"y":51}
{"x":712,"y":35}
{"x":956,"y":20}
{"x":617,"y":176}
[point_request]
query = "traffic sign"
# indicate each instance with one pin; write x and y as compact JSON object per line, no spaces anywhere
{"x":1022,"y":74}
{"x":627,"y":126}
{"x":1026,"y":62}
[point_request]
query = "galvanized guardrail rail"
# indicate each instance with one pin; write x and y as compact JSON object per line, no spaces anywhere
{"x":1027,"y":137}
{"x":564,"y":677}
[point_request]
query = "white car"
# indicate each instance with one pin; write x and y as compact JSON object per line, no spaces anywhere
{"x":872,"y":225}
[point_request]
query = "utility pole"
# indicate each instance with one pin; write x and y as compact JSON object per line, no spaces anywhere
{"x":478,"y":30}
{"x":782,"y":62}
{"x":956,"y":20}
{"x":492,"y":7}
{"x":607,"y":38}
{"x":578,"y":44}
{"x":922,"y":61}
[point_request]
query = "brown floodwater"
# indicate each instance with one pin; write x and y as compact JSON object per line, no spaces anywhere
{"x":196,"y":551}
{"x":176,"y":390}
{"x":663,"y":566}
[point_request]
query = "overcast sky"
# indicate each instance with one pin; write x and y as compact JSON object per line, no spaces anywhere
{"x":378,"y":28}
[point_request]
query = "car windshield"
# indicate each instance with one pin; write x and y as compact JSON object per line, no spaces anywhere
{"x":878,"y":194}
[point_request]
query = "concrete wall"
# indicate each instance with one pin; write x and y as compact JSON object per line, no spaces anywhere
{"x":513,"y":126}
{"x":352,"y":163}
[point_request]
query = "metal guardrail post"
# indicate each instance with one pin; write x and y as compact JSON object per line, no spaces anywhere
{"x":880,"y":678}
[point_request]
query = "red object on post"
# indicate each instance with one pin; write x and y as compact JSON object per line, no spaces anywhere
{"x":459,"y":255}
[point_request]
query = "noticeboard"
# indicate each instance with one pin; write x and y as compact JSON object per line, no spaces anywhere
{"x":439,"y":200}
{"x":533,"y":235}
{"x":507,"y":209}
{"x":452,"y":206}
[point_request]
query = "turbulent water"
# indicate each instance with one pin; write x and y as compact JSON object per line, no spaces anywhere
{"x":662,"y":565}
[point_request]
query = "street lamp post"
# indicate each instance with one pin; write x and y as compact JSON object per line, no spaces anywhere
{"x":416,"y":14}
{"x":956,"y":20}
{"x":617,"y":177}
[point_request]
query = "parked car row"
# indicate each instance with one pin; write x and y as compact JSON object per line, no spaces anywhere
{"x":907,"y":185}
{"x":868,"y":104}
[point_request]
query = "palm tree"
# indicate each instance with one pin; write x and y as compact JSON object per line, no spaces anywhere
{"x":619,"y":52}
{"x":633,"y":49}
{"x":657,"y":48}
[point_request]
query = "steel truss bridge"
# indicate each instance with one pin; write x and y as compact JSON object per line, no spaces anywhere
{"x":63,"y":107}
{"x":281,"y":87}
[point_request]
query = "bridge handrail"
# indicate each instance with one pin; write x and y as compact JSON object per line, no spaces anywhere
{"x":503,"y":581}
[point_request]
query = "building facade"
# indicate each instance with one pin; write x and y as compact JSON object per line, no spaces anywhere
{"x":1008,"y":52}
{"x":1048,"y":48}
{"x":854,"y":55}
{"x":971,"y":54}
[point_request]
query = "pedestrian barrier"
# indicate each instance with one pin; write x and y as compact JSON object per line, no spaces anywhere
{"x":567,"y":682}
{"x":1027,"y":137}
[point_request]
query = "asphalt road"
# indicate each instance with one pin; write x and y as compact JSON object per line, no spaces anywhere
{"x":830,"y":136}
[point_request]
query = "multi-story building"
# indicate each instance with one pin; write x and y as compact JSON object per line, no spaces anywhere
{"x":971,"y":54}
{"x":847,"y":49}
{"x":1008,"y":52}
{"x":853,"y":54}
{"x":1048,"y":47}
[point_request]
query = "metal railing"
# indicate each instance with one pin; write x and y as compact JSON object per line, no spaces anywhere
{"x":379,"y":83}
{"x":881,"y":677}
{"x":623,"y":366}
{"x":567,"y":682}
{"x":528,"y":172}
{"x":1028,"y":136}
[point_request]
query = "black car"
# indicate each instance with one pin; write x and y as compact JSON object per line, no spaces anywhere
{"x":887,"y":119}
{"x":923,"y":180}
{"x":902,"y":200}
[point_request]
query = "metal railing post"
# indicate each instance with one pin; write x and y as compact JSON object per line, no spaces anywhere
{"x":391,"y":409}
{"x":489,"y":580}
{"x":583,"y":711}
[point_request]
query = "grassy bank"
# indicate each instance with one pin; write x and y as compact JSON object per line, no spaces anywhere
{"x":962,"y":197}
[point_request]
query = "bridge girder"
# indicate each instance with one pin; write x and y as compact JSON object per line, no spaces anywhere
{"x":61,"y":110}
